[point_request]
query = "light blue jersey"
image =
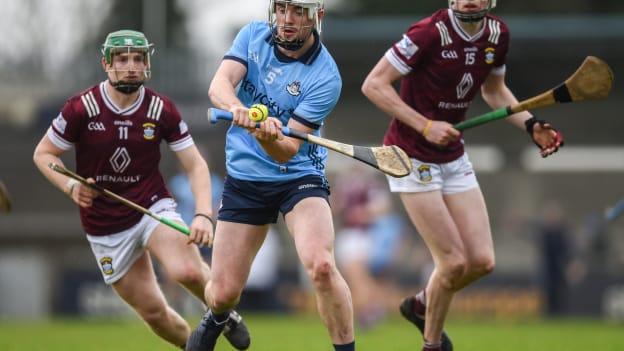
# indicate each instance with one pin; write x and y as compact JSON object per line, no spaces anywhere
{"x":306,"y":89}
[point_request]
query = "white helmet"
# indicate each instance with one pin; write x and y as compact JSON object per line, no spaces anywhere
{"x":471,"y":16}
{"x":313,"y":7}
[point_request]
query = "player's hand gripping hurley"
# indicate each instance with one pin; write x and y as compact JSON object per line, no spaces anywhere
{"x":177,"y":226}
{"x":591,"y":81}
{"x":391,"y":160}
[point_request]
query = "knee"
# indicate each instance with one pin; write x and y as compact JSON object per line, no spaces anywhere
{"x":189,"y":276}
{"x":452,"y":272}
{"x":224,"y":297}
{"x":153,"y":315}
{"x":320,"y":272}
{"x":481,"y":266}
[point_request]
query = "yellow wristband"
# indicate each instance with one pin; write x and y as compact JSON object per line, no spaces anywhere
{"x":427,"y":127}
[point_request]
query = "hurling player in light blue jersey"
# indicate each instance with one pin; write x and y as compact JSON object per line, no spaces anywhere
{"x":284,"y":65}
{"x":302,"y":87}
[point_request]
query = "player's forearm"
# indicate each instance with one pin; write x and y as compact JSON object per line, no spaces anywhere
{"x":42,"y":160}
{"x":199,"y":178}
{"x":385,"y":97}
{"x":502,"y":97}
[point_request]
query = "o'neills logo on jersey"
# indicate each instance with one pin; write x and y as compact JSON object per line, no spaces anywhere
{"x":148,"y":131}
{"x":126,"y":123}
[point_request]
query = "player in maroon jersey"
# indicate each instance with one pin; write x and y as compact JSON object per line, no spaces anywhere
{"x":443,"y":61}
{"x":116,"y":128}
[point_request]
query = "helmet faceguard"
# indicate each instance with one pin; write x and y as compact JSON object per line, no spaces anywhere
{"x":471,"y":17}
{"x":127,"y":41}
{"x":311,"y":8}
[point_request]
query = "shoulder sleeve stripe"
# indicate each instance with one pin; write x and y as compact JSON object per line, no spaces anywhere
{"x":91,"y":97}
{"x":397,"y":62}
{"x":58,"y":140}
{"x":155,"y":108}
{"x":159,"y":109}
{"x":151,"y":107}
{"x":87,"y":105}
{"x":181,"y":144}
{"x":495,"y":31}
{"x":445,"y":37}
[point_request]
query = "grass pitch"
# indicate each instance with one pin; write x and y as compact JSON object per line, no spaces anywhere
{"x":305,"y":333}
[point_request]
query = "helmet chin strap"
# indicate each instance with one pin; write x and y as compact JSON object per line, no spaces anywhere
{"x":470,"y":17}
{"x":292,"y":45}
{"x":126,"y":87}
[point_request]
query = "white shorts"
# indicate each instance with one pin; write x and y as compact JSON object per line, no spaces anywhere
{"x":116,"y":253}
{"x":453,"y":177}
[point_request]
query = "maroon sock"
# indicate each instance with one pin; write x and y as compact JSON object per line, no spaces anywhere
{"x":420,"y":307}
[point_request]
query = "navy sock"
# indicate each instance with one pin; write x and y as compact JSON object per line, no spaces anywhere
{"x":345,"y":347}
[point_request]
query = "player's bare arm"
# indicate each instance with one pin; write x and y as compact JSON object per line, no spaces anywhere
{"x":45,"y":153}
{"x":496,"y":94}
{"x":279,"y":147}
{"x":222,"y":91}
{"x":378,"y":88}
{"x":199,"y":176}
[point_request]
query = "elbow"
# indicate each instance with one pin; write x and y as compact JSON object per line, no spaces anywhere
{"x":211,"y":93}
{"x":367,"y":87}
{"x":284,"y":158}
{"x":487,"y":95}
{"x":36,"y":155}
{"x":287,"y":154}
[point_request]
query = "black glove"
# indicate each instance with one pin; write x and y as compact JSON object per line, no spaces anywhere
{"x":530,"y":124}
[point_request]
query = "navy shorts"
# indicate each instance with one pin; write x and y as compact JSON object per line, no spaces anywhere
{"x":259,"y":203}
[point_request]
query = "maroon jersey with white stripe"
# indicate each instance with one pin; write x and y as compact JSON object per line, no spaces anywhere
{"x":443,"y":69}
{"x":120,"y":149}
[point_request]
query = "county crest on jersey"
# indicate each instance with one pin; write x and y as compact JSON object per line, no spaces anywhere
{"x":120,"y":149}
{"x":306,"y":89}
{"x":443,"y":69}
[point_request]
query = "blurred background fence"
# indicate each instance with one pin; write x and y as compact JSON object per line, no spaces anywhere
{"x":555,"y":253}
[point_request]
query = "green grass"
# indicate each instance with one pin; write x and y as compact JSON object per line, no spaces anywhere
{"x":303,"y":333}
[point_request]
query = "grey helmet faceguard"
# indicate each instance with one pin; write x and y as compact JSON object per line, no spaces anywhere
{"x":471,"y":16}
{"x":313,"y":8}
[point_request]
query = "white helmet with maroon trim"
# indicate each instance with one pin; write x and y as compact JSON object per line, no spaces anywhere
{"x":471,"y":16}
